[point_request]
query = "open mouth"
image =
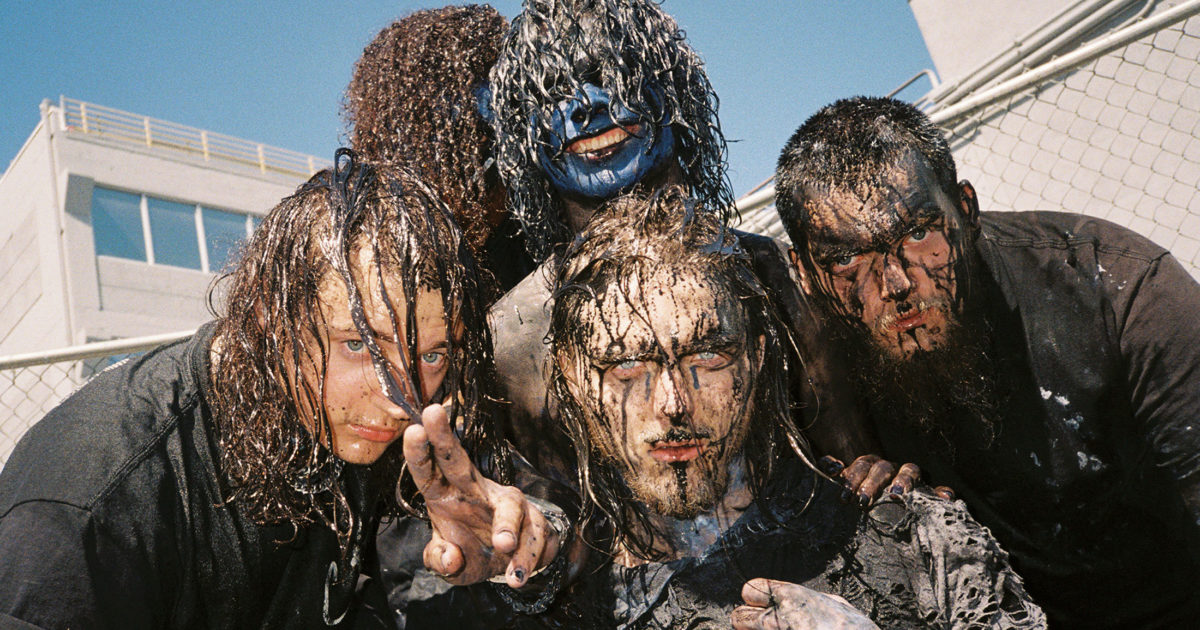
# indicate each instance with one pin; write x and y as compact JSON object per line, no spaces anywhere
{"x":604,"y":144}
{"x":673,"y":451}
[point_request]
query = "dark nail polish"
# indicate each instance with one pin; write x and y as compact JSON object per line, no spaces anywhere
{"x":864,"y":500}
{"x":897,"y":490}
{"x":519,"y":574}
{"x":846,"y":494}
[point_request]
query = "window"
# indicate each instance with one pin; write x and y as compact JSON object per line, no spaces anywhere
{"x":223,"y":231}
{"x":162,"y":232}
{"x":117,"y":224}
{"x":173,"y":233}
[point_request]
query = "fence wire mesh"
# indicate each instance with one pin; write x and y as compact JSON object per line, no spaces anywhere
{"x":1117,"y":138}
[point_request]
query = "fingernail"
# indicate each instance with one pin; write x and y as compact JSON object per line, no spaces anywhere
{"x":446,"y":560}
{"x":864,"y":499}
{"x":511,"y":537}
{"x":897,"y":490}
{"x":519,"y":574}
{"x":831,"y":466}
{"x":846,"y":495}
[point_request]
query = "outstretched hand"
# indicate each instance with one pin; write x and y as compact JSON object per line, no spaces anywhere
{"x":480,"y":528}
{"x":775,"y":605}
{"x":869,"y":476}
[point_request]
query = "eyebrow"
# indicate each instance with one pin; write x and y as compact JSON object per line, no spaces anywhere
{"x":717,"y":338}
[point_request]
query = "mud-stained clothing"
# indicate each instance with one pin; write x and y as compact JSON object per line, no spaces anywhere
{"x":910,"y":562}
{"x":111,"y":516}
{"x":1097,"y":458}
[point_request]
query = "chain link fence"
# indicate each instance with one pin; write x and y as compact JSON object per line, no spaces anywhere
{"x":32,"y":384}
{"x":1115,"y":137}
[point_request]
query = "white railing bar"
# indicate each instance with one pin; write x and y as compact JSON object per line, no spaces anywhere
{"x":91,"y":350}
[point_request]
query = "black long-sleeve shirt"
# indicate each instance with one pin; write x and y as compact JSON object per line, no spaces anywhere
{"x":111,"y":516}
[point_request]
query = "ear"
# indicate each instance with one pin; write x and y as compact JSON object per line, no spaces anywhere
{"x":969,"y":203}
{"x":801,"y":273}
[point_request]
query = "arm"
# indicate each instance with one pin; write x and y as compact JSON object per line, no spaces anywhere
{"x":772,"y":605}
{"x":959,"y":573}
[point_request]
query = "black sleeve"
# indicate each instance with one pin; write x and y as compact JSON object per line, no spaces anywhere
{"x":60,"y":568}
{"x":1159,"y":317}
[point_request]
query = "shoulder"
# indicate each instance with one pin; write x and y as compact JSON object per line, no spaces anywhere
{"x":1064,"y":231}
{"x":114,"y":424}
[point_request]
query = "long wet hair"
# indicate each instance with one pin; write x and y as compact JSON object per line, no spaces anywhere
{"x":274,"y":434}
{"x":412,"y":99}
{"x":853,"y":144}
{"x":635,"y":237}
{"x":638,"y":54}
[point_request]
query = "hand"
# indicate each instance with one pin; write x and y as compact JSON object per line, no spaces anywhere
{"x":480,"y":528}
{"x":864,"y":480}
{"x":775,"y":605}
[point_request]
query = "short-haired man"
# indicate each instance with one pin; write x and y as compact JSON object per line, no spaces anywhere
{"x":669,"y":377}
{"x":236,"y":479}
{"x":1045,"y":365}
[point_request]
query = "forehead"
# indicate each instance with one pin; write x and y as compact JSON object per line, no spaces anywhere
{"x":880,"y":207}
{"x":670,"y":310}
{"x":335,"y":301}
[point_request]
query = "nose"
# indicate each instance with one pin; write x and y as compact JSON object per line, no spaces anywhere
{"x":590,"y":103}
{"x":673,"y":399}
{"x":894,"y":281}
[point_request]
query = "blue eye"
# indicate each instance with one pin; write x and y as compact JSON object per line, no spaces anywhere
{"x":707,"y":355}
{"x":432,"y":358}
{"x":355,"y":345}
{"x":628,"y":364}
{"x":918,"y":235}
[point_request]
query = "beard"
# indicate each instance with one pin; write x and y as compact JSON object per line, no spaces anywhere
{"x":947,"y":393}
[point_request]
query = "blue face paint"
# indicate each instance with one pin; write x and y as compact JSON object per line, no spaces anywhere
{"x":628,"y":153}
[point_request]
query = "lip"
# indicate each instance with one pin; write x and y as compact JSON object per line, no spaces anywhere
{"x":374,"y":434}
{"x":677,"y":451}
{"x":604,"y":143}
{"x":909,"y":322}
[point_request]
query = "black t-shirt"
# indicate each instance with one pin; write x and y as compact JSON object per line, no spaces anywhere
{"x":111,"y":516}
{"x":1096,"y":342}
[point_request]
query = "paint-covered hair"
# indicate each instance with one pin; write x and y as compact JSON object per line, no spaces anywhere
{"x":413,"y":99}
{"x":636,"y":52}
{"x":269,"y":343}
{"x":635,"y":237}
{"x":853,"y":144}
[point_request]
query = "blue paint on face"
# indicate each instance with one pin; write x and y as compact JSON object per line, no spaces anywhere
{"x":630,"y":153}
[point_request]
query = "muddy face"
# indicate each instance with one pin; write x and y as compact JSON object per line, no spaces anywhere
{"x":667,"y":379}
{"x":886,"y":253}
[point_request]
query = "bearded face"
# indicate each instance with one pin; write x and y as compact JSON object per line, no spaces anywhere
{"x":667,"y":380}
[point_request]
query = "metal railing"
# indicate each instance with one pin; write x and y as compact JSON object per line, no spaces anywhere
{"x":133,"y":129}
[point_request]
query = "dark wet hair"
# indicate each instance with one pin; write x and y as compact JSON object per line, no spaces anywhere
{"x":627,"y":46}
{"x":276,"y":468}
{"x":636,"y":236}
{"x":851,"y":144}
{"x":412,"y":99}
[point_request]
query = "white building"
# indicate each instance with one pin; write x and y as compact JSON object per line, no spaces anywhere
{"x":113,"y":224}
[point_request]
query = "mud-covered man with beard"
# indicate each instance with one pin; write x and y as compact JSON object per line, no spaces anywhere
{"x":1043,"y":364}
{"x":669,"y":378}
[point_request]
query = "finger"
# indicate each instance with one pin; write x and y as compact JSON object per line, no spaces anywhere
{"x":529,"y":552}
{"x":443,"y":558}
{"x":905,"y":479}
{"x":878,"y":477}
{"x":855,"y":474}
{"x":508,"y":511}
{"x":747,"y":618}
{"x":830,"y":465}
{"x":757,"y":592}
{"x":449,"y":456}
{"x":419,"y":456}
{"x":945,"y":492}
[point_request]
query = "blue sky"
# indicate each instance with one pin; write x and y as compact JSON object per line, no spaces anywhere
{"x":275,"y":71}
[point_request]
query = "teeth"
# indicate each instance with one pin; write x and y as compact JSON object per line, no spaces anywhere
{"x":607,"y":139}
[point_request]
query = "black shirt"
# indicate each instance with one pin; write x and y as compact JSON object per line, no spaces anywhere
{"x":111,"y":516}
{"x":1096,"y":343}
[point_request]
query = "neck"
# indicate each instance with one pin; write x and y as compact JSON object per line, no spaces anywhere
{"x":691,"y":537}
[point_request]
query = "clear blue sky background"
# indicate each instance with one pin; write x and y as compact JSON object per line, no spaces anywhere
{"x":274,"y":71}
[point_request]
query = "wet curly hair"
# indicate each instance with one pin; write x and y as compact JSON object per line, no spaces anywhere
{"x":270,"y":357}
{"x":638,"y":54}
{"x":629,"y":239}
{"x":412,"y":99}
